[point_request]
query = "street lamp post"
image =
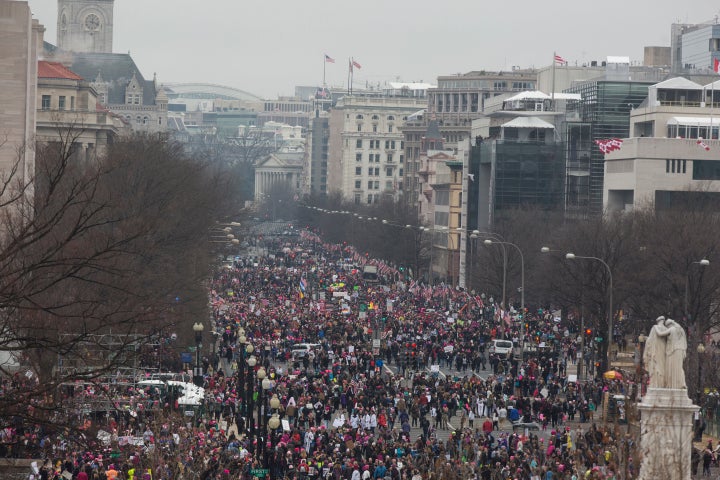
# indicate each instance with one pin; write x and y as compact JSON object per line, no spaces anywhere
{"x":240,"y":380}
{"x":703,"y":263}
{"x":251,"y":362}
{"x":266,"y":384}
{"x":522,"y":286}
{"x":257,"y":427}
{"x":198,"y":328}
{"x":700,"y":351}
{"x":572,"y":256}
{"x":698,"y":426}
{"x":273,"y":425}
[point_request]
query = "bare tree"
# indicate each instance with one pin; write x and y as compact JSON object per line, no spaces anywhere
{"x":113,"y":246}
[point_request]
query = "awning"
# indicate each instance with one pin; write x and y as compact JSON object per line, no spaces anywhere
{"x":527,"y":122}
{"x":694,"y":121}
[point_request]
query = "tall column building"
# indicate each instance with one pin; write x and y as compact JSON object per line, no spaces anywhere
{"x":85,"y":25}
{"x":20,"y":37}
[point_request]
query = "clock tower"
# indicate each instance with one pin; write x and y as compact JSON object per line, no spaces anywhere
{"x":85,"y":25}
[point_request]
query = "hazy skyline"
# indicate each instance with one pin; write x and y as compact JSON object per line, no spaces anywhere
{"x":267,"y":48}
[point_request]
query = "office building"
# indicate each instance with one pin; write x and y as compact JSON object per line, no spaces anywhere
{"x":366,"y":153}
{"x":672,"y":157}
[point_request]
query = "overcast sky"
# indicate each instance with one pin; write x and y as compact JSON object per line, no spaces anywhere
{"x":268,"y":47}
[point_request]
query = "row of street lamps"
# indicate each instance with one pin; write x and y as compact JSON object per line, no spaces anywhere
{"x":250,"y":379}
{"x":247,"y":375}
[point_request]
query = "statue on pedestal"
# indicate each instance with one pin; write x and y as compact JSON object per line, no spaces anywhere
{"x":665,"y":351}
{"x":666,"y":420}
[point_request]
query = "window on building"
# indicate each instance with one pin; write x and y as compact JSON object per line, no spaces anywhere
{"x":358,"y":157}
{"x":402,"y":145}
{"x":706,"y":169}
{"x":377,"y":185}
{"x":358,"y":143}
{"x":358,"y":170}
{"x":675,"y":166}
{"x":72,"y":103}
{"x":377,"y":172}
{"x":369,"y":199}
{"x":389,"y":185}
{"x":400,"y":172}
{"x":391,"y":117}
{"x":358,"y":184}
{"x":359,"y":117}
{"x":370,"y":184}
{"x":389,"y":157}
{"x":359,"y":127}
{"x":375,"y":117}
{"x":390,"y":128}
{"x":402,"y":158}
{"x":377,"y":158}
{"x":46,"y":102}
{"x":441,"y":218}
{"x":357,"y":199}
{"x":145,"y":120}
{"x":61,"y":102}
{"x":442,"y":197}
{"x":370,"y":171}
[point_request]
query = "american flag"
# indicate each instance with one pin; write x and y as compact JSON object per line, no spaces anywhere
{"x":703,"y":144}
{"x":609,"y":144}
{"x":356,"y":64}
{"x":559,"y":59}
{"x":328,"y":59}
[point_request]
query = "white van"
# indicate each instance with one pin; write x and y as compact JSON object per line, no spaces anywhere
{"x":500,"y":347}
{"x":301,"y":350}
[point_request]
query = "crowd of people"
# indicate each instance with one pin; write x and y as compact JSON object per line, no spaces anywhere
{"x":355,"y":413}
{"x":403,"y":384}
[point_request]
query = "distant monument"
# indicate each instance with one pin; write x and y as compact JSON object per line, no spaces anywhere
{"x":667,"y":412}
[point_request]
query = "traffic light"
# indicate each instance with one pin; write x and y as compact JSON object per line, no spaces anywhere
{"x":588,"y":332}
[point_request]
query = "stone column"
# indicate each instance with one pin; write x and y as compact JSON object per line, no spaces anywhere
{"x":666,"y":432}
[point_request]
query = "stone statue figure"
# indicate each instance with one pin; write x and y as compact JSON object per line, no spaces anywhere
{"x":664,"y":354}
{"x":676,"y":350}
{"x":654,"y":354}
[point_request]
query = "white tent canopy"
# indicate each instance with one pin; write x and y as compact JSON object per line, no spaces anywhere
{"x":528,"y":122}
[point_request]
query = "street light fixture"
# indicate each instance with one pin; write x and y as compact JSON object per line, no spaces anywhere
{"x":700,"y":351}
{"x":703,"y":263}
{"x":198,"y":328}
{"x":522,"y":286}
{"x":572,"y":256}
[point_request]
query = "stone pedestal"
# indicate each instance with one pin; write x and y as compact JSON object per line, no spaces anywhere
{"x":666,"y":431}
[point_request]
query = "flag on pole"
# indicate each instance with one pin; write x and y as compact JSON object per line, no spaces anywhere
{"x":703,"y":144}
{"x":560,"y":60}
{"x":328,"y":59}
{"x":356,"y":64}
{"x":716,"y":65}
{"x":303,"y":285}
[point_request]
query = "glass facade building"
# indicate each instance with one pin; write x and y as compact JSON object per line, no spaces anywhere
{"x":511,"y":174}
{"x":603,"y":112}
